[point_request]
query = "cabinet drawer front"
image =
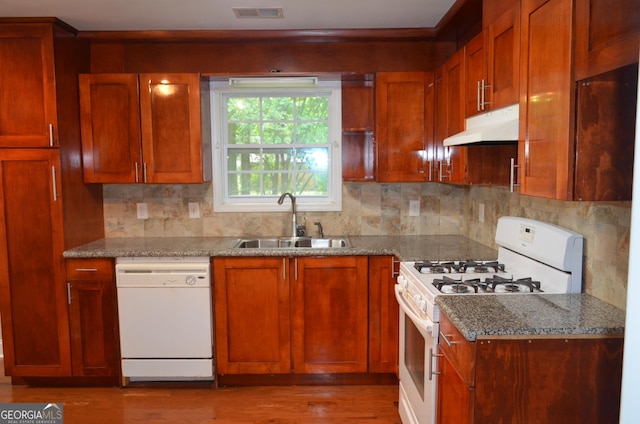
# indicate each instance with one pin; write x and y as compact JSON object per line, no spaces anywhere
{"x":458,"y":350}
{"x":89,"y":269}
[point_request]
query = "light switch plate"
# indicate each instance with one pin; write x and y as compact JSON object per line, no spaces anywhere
{"x":414,"y":208}
{"x":194,"y":210}
{"x":141,"y":209}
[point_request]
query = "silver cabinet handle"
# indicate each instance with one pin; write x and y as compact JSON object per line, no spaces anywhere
{"x":55,"y":186}
{"x":51,"y":141}
{"x":284,"y":268}
{"x":87,"y":269}
{"x":446,"y":339}
{"x":144,"y":172}
{"x":69,"y":293}
{"x":137,"y":178}
{"x":512,"y":175}
{"x":478,"y":103}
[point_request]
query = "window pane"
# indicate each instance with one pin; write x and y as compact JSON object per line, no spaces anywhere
{"x":311,"y":184}
{"x":244,"y":184}
{"x":244,"y":159}
{"x":312,"y":108}
{"x":277,"y":133}
{"x":277,"y":108}
{"x":243,"y":109}
{"x":276,"y":183}
{"x":244,"y":133}
{"x":316,"y":159}
{"x":312,"y":133}
{"x":277,"y":159}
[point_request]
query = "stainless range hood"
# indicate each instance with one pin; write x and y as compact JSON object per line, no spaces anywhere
{"x":499,"y":125}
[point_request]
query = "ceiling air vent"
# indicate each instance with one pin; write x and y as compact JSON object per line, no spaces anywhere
{"x":258,"y":12}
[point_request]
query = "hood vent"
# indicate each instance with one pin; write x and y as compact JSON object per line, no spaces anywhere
{"x":258,"y":12}
{"x":495,"y":126}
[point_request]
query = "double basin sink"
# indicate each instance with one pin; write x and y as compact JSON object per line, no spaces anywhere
{"x":292,"y":243}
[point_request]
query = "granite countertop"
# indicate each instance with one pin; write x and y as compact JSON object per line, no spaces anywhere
{"x":406,"y":248}
{"x":491,"y":316}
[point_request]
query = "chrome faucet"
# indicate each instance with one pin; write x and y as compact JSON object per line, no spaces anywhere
{"x":294,"y":231}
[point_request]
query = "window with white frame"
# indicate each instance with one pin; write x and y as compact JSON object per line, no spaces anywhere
{"x":276,"y":135}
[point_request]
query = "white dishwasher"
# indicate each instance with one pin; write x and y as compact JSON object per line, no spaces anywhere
{"x":165,"y":318}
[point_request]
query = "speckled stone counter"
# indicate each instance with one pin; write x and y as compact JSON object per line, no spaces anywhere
{"x":406,"y":248}
{"x":490,"y":316}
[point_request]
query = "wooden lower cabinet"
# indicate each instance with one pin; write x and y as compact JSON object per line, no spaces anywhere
{"x":93,"y":319}
{"x":383,"y":315}
{"x":573,"y":379}
{"x":300,"y":316}
{"x":33,"y":298}
{"x":252,"y":315}
{"x":330,"y":314}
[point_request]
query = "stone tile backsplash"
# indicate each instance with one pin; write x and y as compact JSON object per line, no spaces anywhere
{"x":381,"y":209}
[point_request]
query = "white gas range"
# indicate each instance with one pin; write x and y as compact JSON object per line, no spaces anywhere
{"x":533,"y":257}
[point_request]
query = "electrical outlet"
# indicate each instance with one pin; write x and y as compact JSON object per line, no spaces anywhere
{"x":142,"y":211}
{"x":194,"y":210}
{"x":414,"y":208}
{"x":481,"y":212}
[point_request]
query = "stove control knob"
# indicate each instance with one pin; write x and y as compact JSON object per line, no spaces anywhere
{"x":403,"y":282}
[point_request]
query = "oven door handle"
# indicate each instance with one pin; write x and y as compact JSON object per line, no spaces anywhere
{"x":424,"y":325}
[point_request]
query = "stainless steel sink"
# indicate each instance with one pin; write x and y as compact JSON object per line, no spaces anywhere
{"x":292,"y":243}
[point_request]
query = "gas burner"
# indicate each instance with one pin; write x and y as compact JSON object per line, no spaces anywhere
{"x":511,"y":286}
{"x":481,"y":266}
{"x":450,"y":285}
{"x":427,"y":267}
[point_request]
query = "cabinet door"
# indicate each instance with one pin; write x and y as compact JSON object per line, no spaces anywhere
{"x":330,"y":314}
{"x":454,"y":404}
{"x":607,"y":36}
{"x":401,"y":108}
{"x":170,"y":113}
{"x":252,"y":324}
{"x":475,"y":76}
{"x":546,"y":149}
{"x":358,"y":147}
{"x":454,"y":163}
{"x":33,"y":295}
{"x":110,"y":120}
{"x":502,"y":52}
{"x":28,"y":116}
{"x":383,"y":315}
{"x":93,"y":317}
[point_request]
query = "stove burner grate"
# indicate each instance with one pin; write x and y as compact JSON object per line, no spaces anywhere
{"x":457,"y":286}
{"x":511,"y":285}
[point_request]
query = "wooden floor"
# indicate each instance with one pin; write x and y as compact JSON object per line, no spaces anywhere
{"x":242,"y":405}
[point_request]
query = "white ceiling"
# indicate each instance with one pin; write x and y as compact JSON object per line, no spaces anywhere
{"x":125,"y":15}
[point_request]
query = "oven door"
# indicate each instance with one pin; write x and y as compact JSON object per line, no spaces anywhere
{"x":417,"y":404}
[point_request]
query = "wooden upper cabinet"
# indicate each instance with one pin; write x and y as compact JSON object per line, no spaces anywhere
{"x":173,"y":147}
{"x":607,"y":35}
{"x":110,"y":116}
{"x":502,"y":44}
{"x":475,"y":76}
{"x":28,"y":116}
{"x":546,"y":151}
{"x":146,"y":128}
{"x":454,"y":163}
{"x":358,"y":126}
{"x":401,"y":125}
